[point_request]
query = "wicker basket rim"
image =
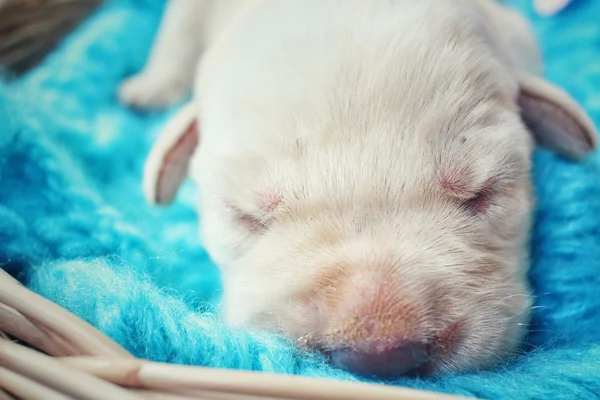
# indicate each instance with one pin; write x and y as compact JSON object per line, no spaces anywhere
{"x":63,"y":357}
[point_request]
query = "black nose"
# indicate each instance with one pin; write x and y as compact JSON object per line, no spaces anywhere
{"x":371,"y":362}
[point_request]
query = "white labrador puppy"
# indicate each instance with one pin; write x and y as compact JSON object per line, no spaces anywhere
{"x":364,"y":169}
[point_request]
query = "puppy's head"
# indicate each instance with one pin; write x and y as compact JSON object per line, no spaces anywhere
{"x":390,"y":255}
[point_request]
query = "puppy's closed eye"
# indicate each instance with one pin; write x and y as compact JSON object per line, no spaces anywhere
{"x":256,"y":220}
{"x":475,"y":199}
{"x":479,"y":202}
{"x":260,"y":219}
{"x":250,"y":221}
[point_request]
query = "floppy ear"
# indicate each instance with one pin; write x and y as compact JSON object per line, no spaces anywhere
{"x":168,"y":161}
{"x":555,"y":119}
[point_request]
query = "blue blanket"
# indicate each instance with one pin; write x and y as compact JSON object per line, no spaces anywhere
{"x":75,"y":228}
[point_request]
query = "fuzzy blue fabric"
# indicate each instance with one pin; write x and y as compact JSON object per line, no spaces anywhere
{"x":75,"y":228}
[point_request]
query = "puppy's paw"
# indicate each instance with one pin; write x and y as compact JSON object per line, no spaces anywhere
{"x":151,"y":91}
{"x":550,"y":7}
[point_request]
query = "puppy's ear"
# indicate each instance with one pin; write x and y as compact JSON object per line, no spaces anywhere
{"x":168,"y":161}
{"x":555,"y":119}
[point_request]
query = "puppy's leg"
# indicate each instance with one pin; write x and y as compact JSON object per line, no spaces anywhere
{"x":169,"y":72}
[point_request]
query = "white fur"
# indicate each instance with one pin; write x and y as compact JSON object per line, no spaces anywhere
{"x":333,"y":126}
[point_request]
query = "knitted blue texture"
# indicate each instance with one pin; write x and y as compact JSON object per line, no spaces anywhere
{"x":75,"y":228}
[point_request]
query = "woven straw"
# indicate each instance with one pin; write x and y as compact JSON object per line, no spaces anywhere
{"x":30,"y":29}
{"x":47,"y":353}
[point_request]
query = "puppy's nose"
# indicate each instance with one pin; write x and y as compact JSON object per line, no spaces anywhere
{"x":375,"y":361}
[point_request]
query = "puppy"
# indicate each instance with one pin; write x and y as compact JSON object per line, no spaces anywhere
{"x":364,"y":169}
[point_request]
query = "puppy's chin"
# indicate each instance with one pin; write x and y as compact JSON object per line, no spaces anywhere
{"x":375,"y":325}
{"x":478,"y":343}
